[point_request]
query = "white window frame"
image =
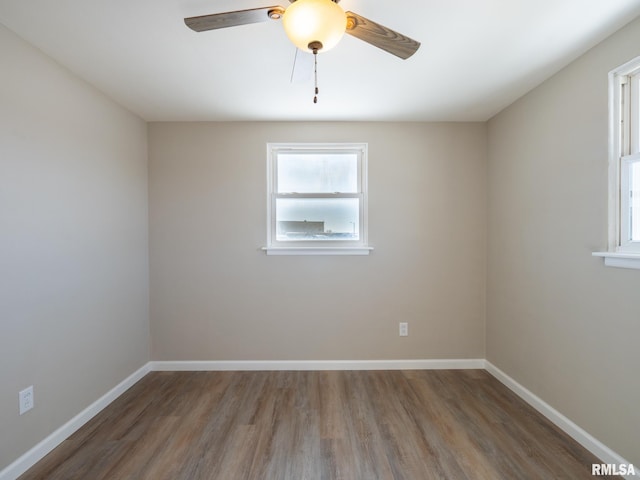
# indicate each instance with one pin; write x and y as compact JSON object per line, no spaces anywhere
{"x":317,"y":247}
{"x":624,"y":150}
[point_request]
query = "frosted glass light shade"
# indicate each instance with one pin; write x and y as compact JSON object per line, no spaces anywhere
{"x":307,"y":21}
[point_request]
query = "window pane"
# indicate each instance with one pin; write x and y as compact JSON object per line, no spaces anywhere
{"x":634,"y":121}
{"x":634,"y":214}
{"x":317,"y":173}
{"x":317,"y":219}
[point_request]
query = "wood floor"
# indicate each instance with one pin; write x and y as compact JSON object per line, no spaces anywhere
{"x":363,"y":425}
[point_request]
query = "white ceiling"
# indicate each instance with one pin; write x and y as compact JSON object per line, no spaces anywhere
{"x":477,"y":56}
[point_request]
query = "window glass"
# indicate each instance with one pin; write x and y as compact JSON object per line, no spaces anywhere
{"x":317,"y":219}
{"x":634,"y":210}
{"x":635,"y":114}
{"x":317,"y":173}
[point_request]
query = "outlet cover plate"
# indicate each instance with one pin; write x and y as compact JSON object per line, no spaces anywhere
{"x":25,"y":399}
{"x":404,"y":329}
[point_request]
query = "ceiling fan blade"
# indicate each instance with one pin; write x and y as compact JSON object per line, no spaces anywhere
{"x":381,"y":36}
{"x":302,"y":67}
{"x":232,"y":19}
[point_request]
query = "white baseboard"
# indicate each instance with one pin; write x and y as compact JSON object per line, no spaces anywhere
{"x":26,"y":461}
{"x":276,"y":365}
{"x":588,"y":441}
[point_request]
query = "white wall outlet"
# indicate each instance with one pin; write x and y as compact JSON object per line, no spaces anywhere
{"x":25,"y":398}
{"x":404,"y":329}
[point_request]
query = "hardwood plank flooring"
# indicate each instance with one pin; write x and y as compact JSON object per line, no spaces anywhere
{"x":347,"y":425}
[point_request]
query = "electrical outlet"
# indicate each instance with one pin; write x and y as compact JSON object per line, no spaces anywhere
{"x":25,"y":398}
{"x":404,"y":329}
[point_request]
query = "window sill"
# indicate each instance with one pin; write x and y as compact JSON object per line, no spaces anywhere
{"x":620,"y":260}
{"x":317,"y":250}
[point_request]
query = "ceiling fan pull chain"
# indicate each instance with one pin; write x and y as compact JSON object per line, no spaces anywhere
{"x":315,"y":74}
{"x":315,"y":46}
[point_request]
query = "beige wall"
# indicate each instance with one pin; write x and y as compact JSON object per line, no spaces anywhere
{"x":558,"y":321}
{"x":216,"y":296}
{"x":73,"y":245}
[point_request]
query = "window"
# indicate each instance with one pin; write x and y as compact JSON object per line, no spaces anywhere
{"x":317,"y":199}
{"x":630,"y":161}
{"x":624,"y":167}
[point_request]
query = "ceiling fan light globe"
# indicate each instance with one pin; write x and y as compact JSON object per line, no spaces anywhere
{"x":308,"y":21}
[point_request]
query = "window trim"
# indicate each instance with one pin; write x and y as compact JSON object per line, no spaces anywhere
{"x":320,"y":247}
{"x":622,"y":149}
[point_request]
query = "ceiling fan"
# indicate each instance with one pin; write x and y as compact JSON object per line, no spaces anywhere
{"x":313,"y":25}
